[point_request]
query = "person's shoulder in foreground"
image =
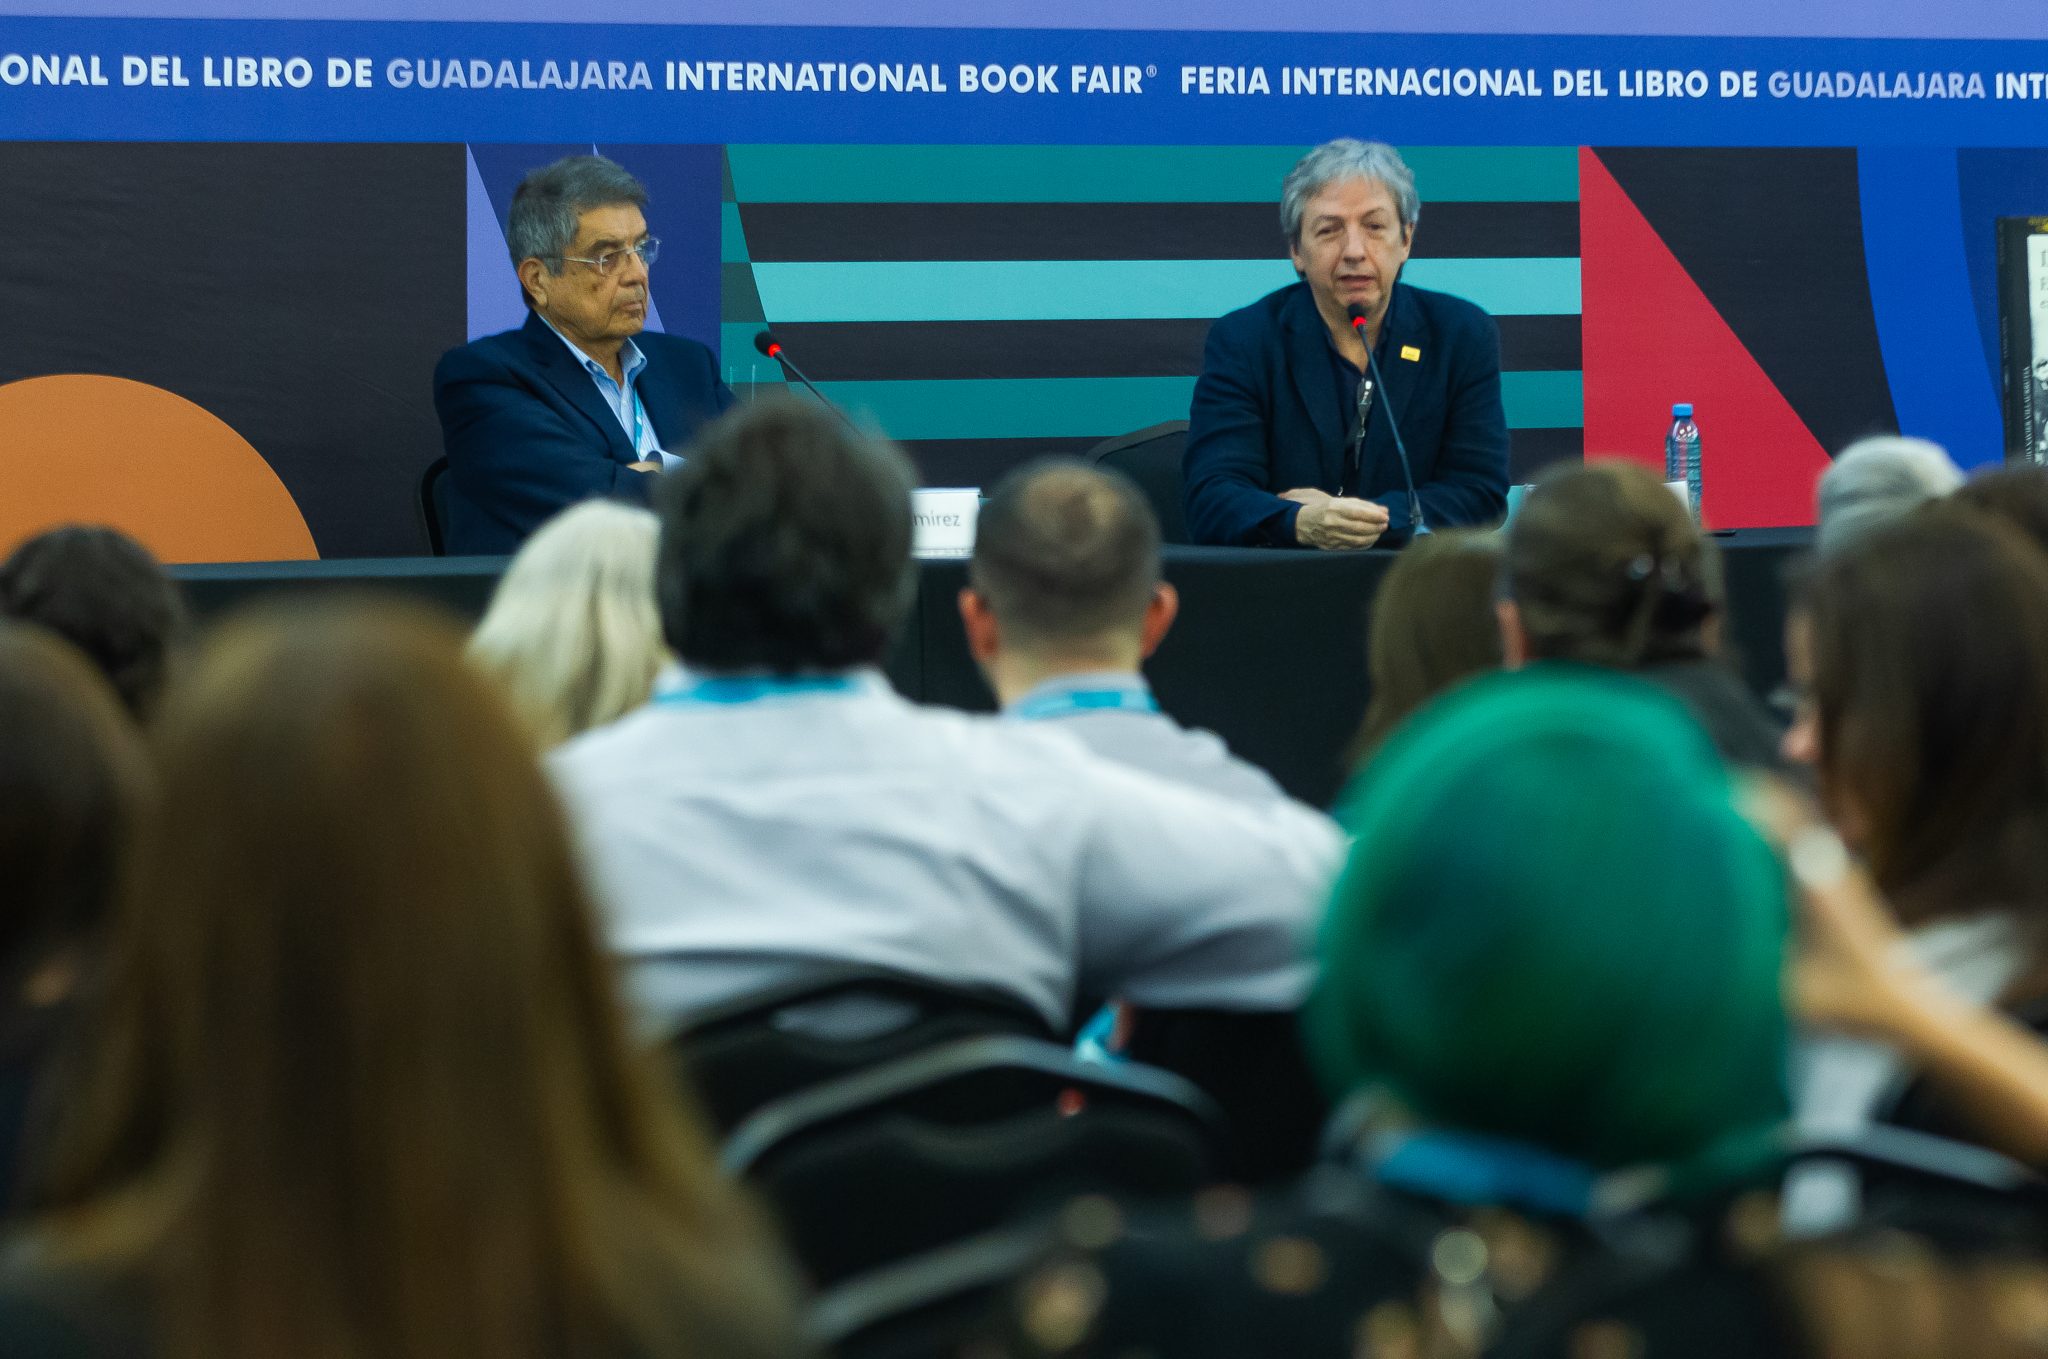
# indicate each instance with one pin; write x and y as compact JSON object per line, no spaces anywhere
{"x":777,"y":805}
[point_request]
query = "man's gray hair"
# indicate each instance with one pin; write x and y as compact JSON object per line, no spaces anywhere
{"x":1347,"y":158}
{"x":551,"y":200}
{"x":1877,"y":480}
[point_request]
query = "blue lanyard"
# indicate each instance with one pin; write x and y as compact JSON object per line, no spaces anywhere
{"x":1472,"y":1169}
{"x":1072,"y":701}
{"x":749,"y":689}
{"x":639,"y":423}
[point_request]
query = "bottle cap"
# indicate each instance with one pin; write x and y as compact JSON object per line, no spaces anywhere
{"x":1683,"y":410}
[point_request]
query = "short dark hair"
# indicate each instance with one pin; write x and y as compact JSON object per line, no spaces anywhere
{"x":104,"y":593}
{"x":785,"y":543}
{"x":1064,"y":551}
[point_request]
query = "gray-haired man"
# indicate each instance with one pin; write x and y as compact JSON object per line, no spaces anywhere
{"x":581,"y":401}
{"x":1292,"y":433}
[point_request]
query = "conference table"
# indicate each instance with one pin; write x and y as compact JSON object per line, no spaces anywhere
{"x":1268,"y":652}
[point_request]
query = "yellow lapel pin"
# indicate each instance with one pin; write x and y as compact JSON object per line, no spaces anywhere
{"x":1410,"y":353}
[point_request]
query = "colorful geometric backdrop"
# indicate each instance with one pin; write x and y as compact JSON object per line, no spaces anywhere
{"x":980,"y":303}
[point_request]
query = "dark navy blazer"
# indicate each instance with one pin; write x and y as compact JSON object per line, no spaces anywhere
{"x":1266,"y":418}
{"x":527,"y":432}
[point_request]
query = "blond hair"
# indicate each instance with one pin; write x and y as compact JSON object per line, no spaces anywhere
{"x":572,"y":634}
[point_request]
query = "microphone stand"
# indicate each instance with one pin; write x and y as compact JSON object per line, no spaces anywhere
{"x":1417,"y":526}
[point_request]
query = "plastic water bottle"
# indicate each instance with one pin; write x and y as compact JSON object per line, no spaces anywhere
{"x":1682,"y":453}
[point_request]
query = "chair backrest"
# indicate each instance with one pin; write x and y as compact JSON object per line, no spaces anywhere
{"x":1954,"y":1194}
{"x":937,"y":1147}
{"x":758,"y":1049}
{"x":928,"y":1306}
{"x":434,"y":505}
{"x":1152,"y":458}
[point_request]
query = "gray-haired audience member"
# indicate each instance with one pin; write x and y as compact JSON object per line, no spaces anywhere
{"x":1876,"y":480}
{"x":1063,"y":605}
{"x":777,"y":810}
{"x":108,"y":596}
{"x":572,"y":634}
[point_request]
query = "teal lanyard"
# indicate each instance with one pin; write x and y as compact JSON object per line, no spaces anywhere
{"x":1071,"y":702}
{"x":750,"y":689}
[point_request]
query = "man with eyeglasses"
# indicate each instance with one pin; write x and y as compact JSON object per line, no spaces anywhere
{"x":582,"y":400}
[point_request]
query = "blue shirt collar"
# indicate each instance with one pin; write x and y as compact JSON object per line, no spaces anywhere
{"x":631,"y":360}
{"x":1087,"y":691}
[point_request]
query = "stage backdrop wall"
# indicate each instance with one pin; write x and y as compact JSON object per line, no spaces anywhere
{"x":246,"y":230}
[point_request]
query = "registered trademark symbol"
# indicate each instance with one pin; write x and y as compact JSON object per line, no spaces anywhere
{"x":1151,"y":70}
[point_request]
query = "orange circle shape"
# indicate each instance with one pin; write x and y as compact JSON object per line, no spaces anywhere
{"x":84,"y":448}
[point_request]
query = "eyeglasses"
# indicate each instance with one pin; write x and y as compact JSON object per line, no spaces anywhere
{"x":648,"y":250}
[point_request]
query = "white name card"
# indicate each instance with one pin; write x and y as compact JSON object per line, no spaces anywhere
{"x":944,"y":520}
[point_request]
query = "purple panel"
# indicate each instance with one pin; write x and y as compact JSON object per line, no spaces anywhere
{"x":494,"y":303}
{"x":1734,"y":18}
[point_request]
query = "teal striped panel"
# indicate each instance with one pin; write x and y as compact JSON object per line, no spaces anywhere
{"x":1544,"y":400}
{"x":1091,"y":290}
{"x":1121,"y":174}
{"x":732,"y":237}
{"x":1070,"y":408}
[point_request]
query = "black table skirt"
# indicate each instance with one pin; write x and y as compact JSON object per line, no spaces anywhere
{"x":1269,"y":649}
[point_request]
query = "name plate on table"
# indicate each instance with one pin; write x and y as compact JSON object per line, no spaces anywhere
{"x":944,"y":520}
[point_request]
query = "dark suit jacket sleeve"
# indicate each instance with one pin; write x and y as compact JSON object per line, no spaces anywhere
{"x":1225,"y":466}
{"x":1468,"y":482}
{"x":513,"y":452}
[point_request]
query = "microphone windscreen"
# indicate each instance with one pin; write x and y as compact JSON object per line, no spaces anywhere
{"x":765,"y":342}
{"x":1356,"y":312}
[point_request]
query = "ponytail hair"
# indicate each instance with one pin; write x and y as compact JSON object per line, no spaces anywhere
{"x":1606,"y":566}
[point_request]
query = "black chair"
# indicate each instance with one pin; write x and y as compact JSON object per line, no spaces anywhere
{"x":1151,"y":457}
{"x":1956,"y":1195}
{"x":1256,"y":1069}
{"x":434,"y":505}
{"x":904,"y":1158}
{"x":927,"y":1307}
{"x":1687,"y":1294}
{"x":760,"y":1048}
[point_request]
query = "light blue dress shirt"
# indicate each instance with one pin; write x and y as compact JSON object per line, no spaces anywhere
{"x":624,"y":401}
{"x":744,"y":833}
{"x":1114,"y":714}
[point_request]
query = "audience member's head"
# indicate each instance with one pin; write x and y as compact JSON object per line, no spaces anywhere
{"x":572,"y":633}
{"x":1605,"y":565}
{"x":1876,"y":480}
{"x":2016,"y":493}
{"x":72,"y":776}
{"x":785,"y":544}
{"x":1065,"y":575}
{"x":1432,"y":625}
{"x":1921,"y":651}
{"x":359,"y":1073}
{"x":104,"y":593}
{"x":1555,"y":927}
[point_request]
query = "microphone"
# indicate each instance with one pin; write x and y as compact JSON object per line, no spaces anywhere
{"x":771,"y":347}
{"x":1417,"y":527}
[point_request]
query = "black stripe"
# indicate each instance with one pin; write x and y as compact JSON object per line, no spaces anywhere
{"x":778,"y":232}
{"x":1532,"y":450}
{"x":866,"y":351}
{"x":982,"y":462}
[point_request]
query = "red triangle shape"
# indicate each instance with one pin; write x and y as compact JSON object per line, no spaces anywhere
{"x":1651,"y":338}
